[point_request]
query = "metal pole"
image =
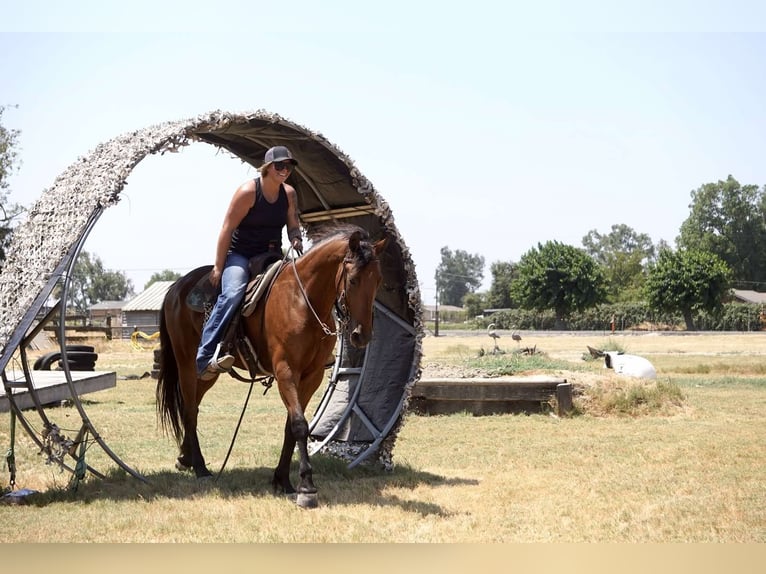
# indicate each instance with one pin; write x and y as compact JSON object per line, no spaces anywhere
{"x":436,"y":310}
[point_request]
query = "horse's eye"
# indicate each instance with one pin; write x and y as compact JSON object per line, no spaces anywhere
{"x":353,"y":281}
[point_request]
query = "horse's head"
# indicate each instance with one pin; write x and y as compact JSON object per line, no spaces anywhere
{"x":359,"y":281}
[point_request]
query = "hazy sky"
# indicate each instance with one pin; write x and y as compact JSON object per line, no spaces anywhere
{"x":486,"y":126}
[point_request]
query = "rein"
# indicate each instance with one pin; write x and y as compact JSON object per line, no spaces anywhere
{"x":340,"y":303}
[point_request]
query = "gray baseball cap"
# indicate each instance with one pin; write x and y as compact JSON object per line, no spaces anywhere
{"x":279,"y":153}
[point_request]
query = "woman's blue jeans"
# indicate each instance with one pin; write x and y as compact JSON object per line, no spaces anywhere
{"x":233,"y":284}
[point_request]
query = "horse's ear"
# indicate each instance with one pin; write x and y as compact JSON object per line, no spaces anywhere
{"x":380,"y":246}
{"x":354,"y":240}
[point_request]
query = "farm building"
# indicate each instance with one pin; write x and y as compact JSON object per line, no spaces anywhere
{"x":142,"y":313}
{"x":748,"y":296}
{"x":446,"y":312}
{"x":107,"y":314}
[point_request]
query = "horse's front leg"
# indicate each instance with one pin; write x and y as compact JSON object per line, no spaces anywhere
{"x":296,"y":431}
{"x":307,"y":492}
{"x":281,"y":480}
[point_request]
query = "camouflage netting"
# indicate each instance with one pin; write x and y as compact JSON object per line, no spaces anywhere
{"x":330,"y":188}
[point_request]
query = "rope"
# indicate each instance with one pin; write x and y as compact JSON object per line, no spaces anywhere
{"x":10,"y":457}
{"x":79,"y":468}
{"x":236,"y":430}
{"x":138,"y":346}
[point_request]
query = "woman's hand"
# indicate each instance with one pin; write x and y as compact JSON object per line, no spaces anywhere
{"x":215,"y":277}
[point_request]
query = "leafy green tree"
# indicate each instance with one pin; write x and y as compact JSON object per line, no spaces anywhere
{"x":559,"y":277}
{"x":623,"y":254}
{"x":685,"y":281}
{"x":474,"y":304}
{"x":458,"y":273}
{"x":164,"y":275}
{"x":9,"y":162}
{"x":729,"y":219}
{"x":91,"y":283}
{"x":499,"y":296}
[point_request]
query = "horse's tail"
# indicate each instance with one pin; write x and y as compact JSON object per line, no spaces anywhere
{"x":169,"y":400}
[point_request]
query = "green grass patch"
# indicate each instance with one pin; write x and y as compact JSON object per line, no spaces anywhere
{"x":508,"y":364}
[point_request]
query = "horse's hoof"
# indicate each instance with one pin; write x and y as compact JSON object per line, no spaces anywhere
{"x":181,"y":466}
{"x":203,"y":474}
{"x":307,"y":500}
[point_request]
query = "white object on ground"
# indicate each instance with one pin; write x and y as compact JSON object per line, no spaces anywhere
{"x":629,"y":365}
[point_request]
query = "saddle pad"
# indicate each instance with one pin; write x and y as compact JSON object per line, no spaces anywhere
{"x":258,"y":286}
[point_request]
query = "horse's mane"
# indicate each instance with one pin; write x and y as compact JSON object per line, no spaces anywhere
{"x":333,"y":232}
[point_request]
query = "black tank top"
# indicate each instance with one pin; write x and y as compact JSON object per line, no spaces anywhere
{"x":261,"y":229}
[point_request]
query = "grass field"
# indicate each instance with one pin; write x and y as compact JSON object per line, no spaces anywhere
{"x":689,"y":473}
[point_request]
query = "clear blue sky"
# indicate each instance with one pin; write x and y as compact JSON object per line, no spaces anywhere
{"x":486,"y":126}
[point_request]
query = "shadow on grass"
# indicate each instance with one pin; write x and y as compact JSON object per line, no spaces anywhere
{"x":337,"y":485}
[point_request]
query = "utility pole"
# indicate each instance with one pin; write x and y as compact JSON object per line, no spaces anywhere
{"x":436,"y":310}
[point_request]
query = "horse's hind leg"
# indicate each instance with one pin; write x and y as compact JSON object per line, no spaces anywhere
{"x":191,"y":454}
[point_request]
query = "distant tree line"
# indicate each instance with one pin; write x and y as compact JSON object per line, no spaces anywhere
{"x":720,"y":246}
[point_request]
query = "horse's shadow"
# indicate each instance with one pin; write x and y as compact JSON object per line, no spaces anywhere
{"x":335,"y":482}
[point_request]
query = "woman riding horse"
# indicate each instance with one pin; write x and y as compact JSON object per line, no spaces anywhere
{"x":252,"y":226}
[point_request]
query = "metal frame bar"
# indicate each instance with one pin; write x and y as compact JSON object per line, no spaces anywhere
{"x":20,"y":338}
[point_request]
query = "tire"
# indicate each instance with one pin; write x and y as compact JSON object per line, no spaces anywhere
{"x":81,"y":355}
{"x":81,"y":360}
{"x":44,"y":363}
{"x":87,"y":348}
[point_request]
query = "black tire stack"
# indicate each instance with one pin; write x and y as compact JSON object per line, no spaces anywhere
{"x":156,"y":365}
{"x":79,"y":358}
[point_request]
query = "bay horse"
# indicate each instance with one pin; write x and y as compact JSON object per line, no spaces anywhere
{"x":290,"y":334}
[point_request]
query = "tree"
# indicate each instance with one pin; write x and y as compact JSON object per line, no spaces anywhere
{"x":499,"y":296}
{"x":559,"y":277}
{"x":164,"y":275}
{"x":473,"y":303}
{"x":622,"y":253}
{"x":457,"y":274}
{"x":729,"y":219}
{"x":687,"y":280}
{"x":91,"y":283}
{"x":8,"y":164}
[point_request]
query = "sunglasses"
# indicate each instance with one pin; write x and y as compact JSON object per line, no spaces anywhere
{"x":282,"y":165}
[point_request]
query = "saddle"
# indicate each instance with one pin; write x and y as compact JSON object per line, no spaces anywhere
{"x":263,"y":269}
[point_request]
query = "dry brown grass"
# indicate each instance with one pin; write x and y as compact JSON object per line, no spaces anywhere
{"x":691,"y":475}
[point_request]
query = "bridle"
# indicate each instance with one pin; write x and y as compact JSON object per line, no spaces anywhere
{"x":341,"y":301}
{"x":341,"y":304}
